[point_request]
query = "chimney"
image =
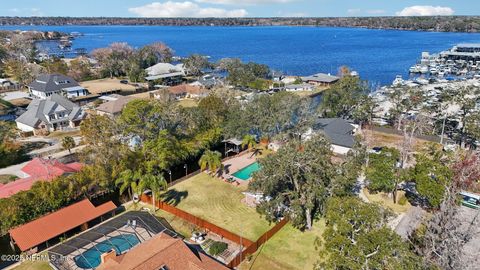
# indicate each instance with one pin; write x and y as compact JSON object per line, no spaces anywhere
{"x":108,"y":256}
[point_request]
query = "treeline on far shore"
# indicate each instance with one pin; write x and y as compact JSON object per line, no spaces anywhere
{"x":427,"y":23}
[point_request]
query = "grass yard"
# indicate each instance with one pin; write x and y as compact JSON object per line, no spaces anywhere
{"x":179,"y":225}
{"x":289,"y":249}
{"x":385,"y":200}
{"x":376,"y":138}
{"x":188,"y":102}
{"x":59,"y":134}
{"x":33,"y":265}
{"x":5,"y":178}
{"x":219,"y":203}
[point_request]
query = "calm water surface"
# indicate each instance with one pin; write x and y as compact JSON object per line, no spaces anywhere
{"x":378,"y":55}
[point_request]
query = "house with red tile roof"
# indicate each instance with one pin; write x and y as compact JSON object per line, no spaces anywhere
{"x":38,"y":169}
{"x":43,"y":229}
{"x":160,"y":252}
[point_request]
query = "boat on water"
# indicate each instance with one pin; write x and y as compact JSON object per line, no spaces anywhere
{"x":415,"y":69}
{"x":398,"y":81}
{"x":424,"y":69}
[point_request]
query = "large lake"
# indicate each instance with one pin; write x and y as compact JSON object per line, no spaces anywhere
{"x":378,"y":55}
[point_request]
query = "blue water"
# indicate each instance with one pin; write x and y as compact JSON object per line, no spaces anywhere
{"x":378,"y":55}
{"x":246,"y":173}
{"x":91,"y":257}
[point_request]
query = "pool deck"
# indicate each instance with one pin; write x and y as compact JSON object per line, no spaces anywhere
{"x":235,"y":164}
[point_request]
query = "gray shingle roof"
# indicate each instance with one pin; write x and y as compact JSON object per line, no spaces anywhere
{"x":38,"y":108}
{"x":52,"y":83}
{"x":338,"y":130}
{"x":321,"y":77}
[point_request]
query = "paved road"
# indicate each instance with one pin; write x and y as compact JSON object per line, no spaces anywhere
{"x":406,"y":223}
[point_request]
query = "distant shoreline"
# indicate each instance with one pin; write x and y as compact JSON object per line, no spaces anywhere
{"x":463,"y":24}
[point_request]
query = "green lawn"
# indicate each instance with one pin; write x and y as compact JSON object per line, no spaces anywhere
{"x":179,"y":225}
{"x":386,"y":201}
{"x":188,"y":102}
{"x":219,"y":203}
{"x":5,"y":178}
{"x":33,"y":265}
{"x":289,"y":249}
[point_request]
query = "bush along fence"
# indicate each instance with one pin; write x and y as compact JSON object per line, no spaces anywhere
{"x":250,"y":246}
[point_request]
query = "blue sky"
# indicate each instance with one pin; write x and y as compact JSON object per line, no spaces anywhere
{"x":237,"y":8}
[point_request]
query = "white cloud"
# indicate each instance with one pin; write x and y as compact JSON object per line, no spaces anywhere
{"x":426,"y":11}
{"x":36,"y":12}
{"x":292,"y":14}
{"x":353,"y":11}
{"x":244,"y":2}
{"x":183,"y":9}
{"x":376,"y":11}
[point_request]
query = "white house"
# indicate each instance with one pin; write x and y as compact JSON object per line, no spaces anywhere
{"x":171,"y":74}
{"x":46,"y":85}
{"x":53,"y":113}
{"x":299,"y":87}
{"x":338,"y":131}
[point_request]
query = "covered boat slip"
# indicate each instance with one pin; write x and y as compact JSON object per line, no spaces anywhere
{"x":53,"y":225}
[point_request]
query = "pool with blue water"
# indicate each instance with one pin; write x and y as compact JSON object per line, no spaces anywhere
{"x":91,"y":258}
{"x":246,"y":172}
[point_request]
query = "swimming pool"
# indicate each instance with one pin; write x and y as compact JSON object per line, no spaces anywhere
{"x":246,"y":173}
{"x":91,"y":257}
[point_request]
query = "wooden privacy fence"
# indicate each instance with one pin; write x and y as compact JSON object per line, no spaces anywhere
{"x":250,"y":246}
{"x":256,"y":245}
{"x":198,"y":221}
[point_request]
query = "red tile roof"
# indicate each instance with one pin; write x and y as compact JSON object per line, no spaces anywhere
{"x":38,"y":169}
{"x":54,"y":224}
{"x":162,"y":250}
{"x":48,"y":168}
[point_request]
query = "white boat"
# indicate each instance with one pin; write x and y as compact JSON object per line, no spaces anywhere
{"x":424,"y":69}
{"x":415,"y":69}
{"x":433,"y":70}
{"x":398,"y":81}
{"x":422,"y":81}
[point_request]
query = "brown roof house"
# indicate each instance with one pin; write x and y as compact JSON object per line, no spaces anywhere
{"x":162,"y":252}
{"x":114,"y":106}
{"x":187,"y":91}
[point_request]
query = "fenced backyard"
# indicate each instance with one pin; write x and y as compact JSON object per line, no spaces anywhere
{"x":216,"y":206}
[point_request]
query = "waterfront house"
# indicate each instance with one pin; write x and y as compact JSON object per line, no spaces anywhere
{"x":38,"y":169}
{"x":299,"y":87}
{"x":339,"y":131}
{"x":167,"y":73}
{"x":46,"y":85}
{"x":50,"y":114}
{"x":320,"y":79}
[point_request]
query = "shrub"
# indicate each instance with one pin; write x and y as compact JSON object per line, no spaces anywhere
{"x":217,"y":248}
{"x":403,"y":200}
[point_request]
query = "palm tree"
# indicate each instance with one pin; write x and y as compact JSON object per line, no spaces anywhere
{"x":156,"y":183}
{"x":211,"y":160}
{"x":127,"y":180}
{"x":249,"y":141}
{"x":68,"y":143}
